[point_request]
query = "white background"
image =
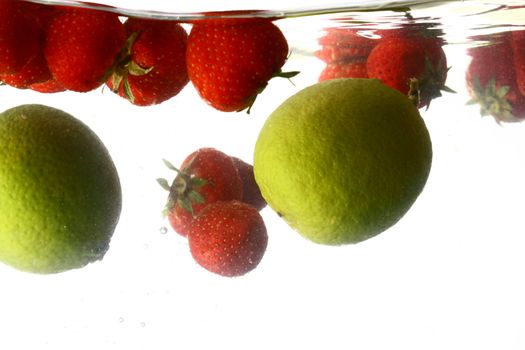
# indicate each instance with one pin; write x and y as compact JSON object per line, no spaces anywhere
{"x":449,"y":275}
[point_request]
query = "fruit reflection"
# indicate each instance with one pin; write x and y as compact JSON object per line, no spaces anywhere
{"x":406,"y":58}
{"x":495,"y":76}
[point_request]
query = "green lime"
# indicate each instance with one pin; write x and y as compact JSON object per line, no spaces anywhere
{"x":60,"y":195}
{"x":343,"y":160}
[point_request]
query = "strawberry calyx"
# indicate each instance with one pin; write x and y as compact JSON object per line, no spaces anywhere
{"x":414,"y":93}
{"x":492,"y":100}
{"x":286,"y":75}
{"x":431,"y":83}
{"x":184,"y":190}
{"x":124,"y":67}
{"x":251,"y":100}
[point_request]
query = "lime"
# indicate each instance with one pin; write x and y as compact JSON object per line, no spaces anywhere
{"x":60,"y":195}
{"x":343,"y":160}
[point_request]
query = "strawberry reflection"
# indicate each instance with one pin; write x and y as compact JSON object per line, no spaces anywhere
{"x":409,"y":58}
{"x":495,"y":77}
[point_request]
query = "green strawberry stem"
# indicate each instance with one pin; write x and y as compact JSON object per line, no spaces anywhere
{"x":125,"y":66}
{"x":492,"y":100}
{"x":286,"y":75}
{"x":163,"y":183}
{"x":414,"y":93}
{"x":184,"y":189}
{"x":279,"y":74}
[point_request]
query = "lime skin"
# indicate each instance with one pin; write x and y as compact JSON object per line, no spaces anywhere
{"x":60,"y":195}
{"x":343,"y":160}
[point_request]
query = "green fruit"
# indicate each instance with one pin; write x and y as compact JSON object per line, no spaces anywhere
{"x":60,"y":195}
{"x":343,"y":160}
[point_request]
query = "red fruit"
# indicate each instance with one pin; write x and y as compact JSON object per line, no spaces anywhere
{"x":35,"y":71}
{"x":350,"y":69}
{"x":518,"y":54}
{"x":82,"y":46}
{"x":20,"y":37}
{"x":491,"y":80}
{"x":251,"y":194}
{"x":396,"y":61}
{"x":153,"y":67}
{"x":344,"y":44}
{"x":231,"y":61}
{"x":228,"y":238}
{"x":48,"y":87}
{"x":206,"y":176}
{"x":39,"y":12}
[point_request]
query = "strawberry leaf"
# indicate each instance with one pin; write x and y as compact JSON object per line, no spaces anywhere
{"x":127,"y":91}
{"x":186,"y":205}
{"x":170,"y":166}
{"x":195,"y":197}
{"x":136,"y":70}
{"x":164,"y":184}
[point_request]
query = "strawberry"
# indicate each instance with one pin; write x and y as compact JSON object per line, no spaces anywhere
{"x":48,"y":87}
{"x":82,"y":46}
{"x":518,"y":54}
{"x":344,"y":44}
{"x":491,"y":80}
{"x":251,"y":194}
{"x":401,"y":60}
{"x":228,"y":238}
{"x":35,"y":71}
{"x":152,"y":69}
{"x":230,"y":61}
{"x":20,"y":37}
{"x":349,"y":69}
{"x":205,"y":176}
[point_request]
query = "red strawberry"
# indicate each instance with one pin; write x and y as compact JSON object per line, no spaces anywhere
{"x":397,"y":61}
{"x":355,"y":43}
{"x":344,"y":44}
{"x":231,"y":61}
{"x":20,"y":37}
{"x":228,"y":238}
{"x":518,"y":54}
{"x":491,"y":80}
{"x":153,"y":67}
{"x":82,"y":46}
{"x":39,"y":12}
{"x":251,"y":194}
{"x":35,"y":71}
{"x":349,"y":69}
{"x":206,"y":176}
{"x":48,"y":87}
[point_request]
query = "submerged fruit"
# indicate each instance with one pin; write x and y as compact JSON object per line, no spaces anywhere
{"x":228,"y":238}
{"x":60,"y":195}
{"x":343,"y":160}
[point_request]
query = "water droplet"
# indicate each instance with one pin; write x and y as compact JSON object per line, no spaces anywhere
{"x":163,"y":230}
